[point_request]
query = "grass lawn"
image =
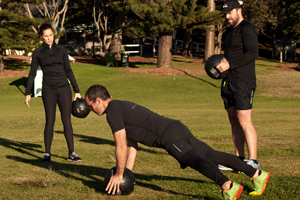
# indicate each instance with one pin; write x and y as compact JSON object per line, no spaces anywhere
{"x":193,"y":99}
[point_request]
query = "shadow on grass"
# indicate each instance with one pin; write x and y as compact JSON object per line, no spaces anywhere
{"x":297,"y":68}
{"x":20,"y":82}
{"x":180,"y":60}
{"x":23,"y":147}
{"x":96,"y":60}
{"x":91,"y":173}
{"x":69,"y":169}
{"x":17,"y":66}
{"x":96,"y":140}
{"x":20,"y":146}
{"x":198,"y":78}
{"x":135,"y":64}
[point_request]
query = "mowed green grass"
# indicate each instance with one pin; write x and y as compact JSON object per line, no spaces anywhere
{"x":193,"y":99}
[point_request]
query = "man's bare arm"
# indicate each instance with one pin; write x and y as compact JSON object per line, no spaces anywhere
{"x":132,"y":147}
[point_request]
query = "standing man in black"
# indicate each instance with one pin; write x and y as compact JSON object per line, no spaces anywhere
{"x":131,"y":123}
{"x":237,"y":89}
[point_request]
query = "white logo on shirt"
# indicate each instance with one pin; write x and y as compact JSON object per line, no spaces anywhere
{"x":133,"y":106}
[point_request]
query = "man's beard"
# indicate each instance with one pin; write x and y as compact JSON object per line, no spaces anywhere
{"x":235,"y":21}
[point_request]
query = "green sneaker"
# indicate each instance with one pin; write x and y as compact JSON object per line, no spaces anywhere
{"x":259,"y":183}
{"x":234,"y":192}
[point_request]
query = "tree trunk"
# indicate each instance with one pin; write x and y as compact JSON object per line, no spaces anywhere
{"x":210,"y":34}
{"x":106,"y":42}
{"x":106,"y":37}
{"x":219,"y":39}
{"x":1,"y":55}
{"x":164,"y":58}
{"x":187,"y":50}
{"x":117,"y":31}
{"x":209,"y":43}
{"x":115,"y":45}
{"x":101,"y":22}
{"x":1,"y":63}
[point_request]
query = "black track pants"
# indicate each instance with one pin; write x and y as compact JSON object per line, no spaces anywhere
{"x":207,"y":162}
{"x":189,"y":151}
{"x":62,"y":97}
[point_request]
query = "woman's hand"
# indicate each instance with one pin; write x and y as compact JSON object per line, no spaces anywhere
{"x":77,"y":95}
{"x":27,"y":99}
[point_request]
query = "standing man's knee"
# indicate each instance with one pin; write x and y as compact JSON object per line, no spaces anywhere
{"x":245,"y":117}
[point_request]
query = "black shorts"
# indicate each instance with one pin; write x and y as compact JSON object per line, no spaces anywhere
{"x":237,"y":94}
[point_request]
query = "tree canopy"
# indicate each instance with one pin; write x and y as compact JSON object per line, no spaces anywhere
{"x":161,"y":16}
{"x":16,"y":28}
{"x":274,"y":18}
{"x":292,"y":21}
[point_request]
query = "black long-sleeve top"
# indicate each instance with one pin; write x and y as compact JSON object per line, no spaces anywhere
{"x":241,"y":50}
{"x":55,"y":65}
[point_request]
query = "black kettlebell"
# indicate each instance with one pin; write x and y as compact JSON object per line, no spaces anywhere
{"x":80,"y":108}
{"x":127,"y":184}
{"x":211,"y":64}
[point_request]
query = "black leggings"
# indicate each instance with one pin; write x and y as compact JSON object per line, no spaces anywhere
{"x":62,"y":97}
{"x":189,"y":151}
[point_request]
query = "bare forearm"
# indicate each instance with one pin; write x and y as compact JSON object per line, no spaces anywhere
{"x":121,"y":155}
{"x":132,"y":152}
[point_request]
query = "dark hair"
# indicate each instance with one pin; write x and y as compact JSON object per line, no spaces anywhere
{"x":44,"y":27}
{"x":97,"y":91}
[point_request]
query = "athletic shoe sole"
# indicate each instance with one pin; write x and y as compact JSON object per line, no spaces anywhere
{"x":223,"y":168}
{"x":74,"y":160}
{"x":239,"y":192}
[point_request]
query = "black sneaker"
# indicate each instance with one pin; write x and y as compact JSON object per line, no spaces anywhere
{"x":47,"y":158}
{"x":74,"y":157}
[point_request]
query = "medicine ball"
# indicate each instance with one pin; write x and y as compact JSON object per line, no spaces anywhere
{"x":211,"y":64}
{"x":80,"y":108}
{"x":127,"y":184}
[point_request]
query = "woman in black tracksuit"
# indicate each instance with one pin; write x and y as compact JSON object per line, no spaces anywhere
{"x":54,"y":62}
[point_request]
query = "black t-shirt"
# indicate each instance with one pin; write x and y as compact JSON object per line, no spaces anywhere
{"x":55,"y":65}
{"x":241,"y":50}
{"x":141,"y":124}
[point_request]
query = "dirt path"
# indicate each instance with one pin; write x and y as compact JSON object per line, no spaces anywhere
{"x":89,"y":59}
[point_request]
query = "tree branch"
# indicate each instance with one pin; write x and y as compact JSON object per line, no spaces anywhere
{"x":41,"y":12}
{"x":26,"y":5}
